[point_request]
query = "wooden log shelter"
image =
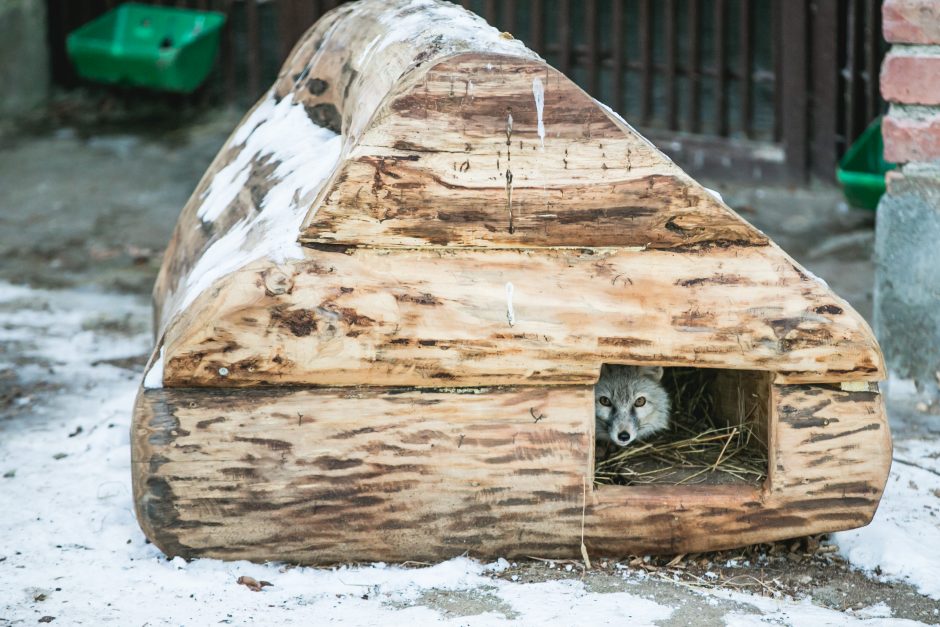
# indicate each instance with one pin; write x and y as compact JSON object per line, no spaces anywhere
{"x":384,"y":308}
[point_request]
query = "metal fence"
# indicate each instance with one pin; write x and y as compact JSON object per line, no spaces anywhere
{"x":760,"y":89}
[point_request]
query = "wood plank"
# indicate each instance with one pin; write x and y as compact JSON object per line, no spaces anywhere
{"x":586,"y":180}
{"x":433,"y":317}
{"x":819,"y":429}
{"x":326,"y":475}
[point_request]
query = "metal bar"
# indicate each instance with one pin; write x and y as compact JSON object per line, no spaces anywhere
{"x":564,"y":35}
{"x":509,"y":16}
{"x":721,"y":88}
{"x":617,"y":54}
{"x":744,"y":85}
{"x":693,"y":68}
{"x":491,"y":11}
{"x":606,"y":61}
{"x":538,"y":27}
{"x":672,"y":97}
{"x":590,"y":38}
{"x":850,"y":71}
{"x":794,"y":84}
{"x":777,"y":51}
{"x":286,"y":26}
{"x":872,"y":39}
{"x":308,"y":12}
{"x":228,"y":52}
{"x":254,"y":48}
{"x":823,"y":148}
{"x":644,"y":24}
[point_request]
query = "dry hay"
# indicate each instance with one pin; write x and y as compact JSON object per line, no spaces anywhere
{"x":702,"y":445}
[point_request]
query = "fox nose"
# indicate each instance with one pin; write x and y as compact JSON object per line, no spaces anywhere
{"x":624,"y":437}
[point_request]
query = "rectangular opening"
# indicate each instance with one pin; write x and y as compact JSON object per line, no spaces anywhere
{"x":717,"y":432}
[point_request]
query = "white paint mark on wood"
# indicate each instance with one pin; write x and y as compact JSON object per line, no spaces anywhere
{"x":510,"y":312}
{"x":538,"y":92}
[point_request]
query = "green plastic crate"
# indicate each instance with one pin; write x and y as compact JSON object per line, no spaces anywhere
{"x":157,"y":47}
{"x":861,"y":171}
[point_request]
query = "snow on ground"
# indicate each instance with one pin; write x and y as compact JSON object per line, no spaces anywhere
{"x":903,"y":541}
{"x":70,"y":547}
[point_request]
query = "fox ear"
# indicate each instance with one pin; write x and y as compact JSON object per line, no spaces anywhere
{"x":653,"y":372}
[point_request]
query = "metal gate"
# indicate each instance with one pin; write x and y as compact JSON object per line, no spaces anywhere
{"x":754,"y":89}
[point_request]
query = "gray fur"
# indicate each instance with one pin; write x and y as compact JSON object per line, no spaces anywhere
{"x":622,"y":421}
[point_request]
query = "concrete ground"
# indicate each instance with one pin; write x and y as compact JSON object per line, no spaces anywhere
{"x":87,"y":205}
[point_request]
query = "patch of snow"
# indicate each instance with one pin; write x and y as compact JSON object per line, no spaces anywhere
{"x":566,"y":602}
{"x":303,"y":156}
{"x":819,"y":280}
{"x":538,"y":92}
{"x":774,"y":611}
{"x":878,"y":610}
{"x":715,"y":194}
{"x":153,"y":380}
{"x":903,"y":540}
{"x":619,"y":118}
{"x":452,"y":28}
{"x":805,"y":614}
{"x":498,"y":566}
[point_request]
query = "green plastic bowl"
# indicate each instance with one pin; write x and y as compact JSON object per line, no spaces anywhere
{"x":156,"y":47}
{"x":861,"y":171}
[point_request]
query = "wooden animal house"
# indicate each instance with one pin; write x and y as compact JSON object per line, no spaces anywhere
{"x":384,"y":309}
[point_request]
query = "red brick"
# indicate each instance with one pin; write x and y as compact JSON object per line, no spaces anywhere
{"x":911,"y":77}
{"x":910,"y":138}
{"x":911,"y":21}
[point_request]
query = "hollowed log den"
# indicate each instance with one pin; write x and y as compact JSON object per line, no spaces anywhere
{"x":383,"y":310}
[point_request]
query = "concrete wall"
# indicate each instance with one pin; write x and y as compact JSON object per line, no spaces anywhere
{"x":907,"y":279}
{"x":24,"y":57}
{"x":907,"y":236}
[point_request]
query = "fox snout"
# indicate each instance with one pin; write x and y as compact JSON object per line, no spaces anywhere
{"x":623,"y":430}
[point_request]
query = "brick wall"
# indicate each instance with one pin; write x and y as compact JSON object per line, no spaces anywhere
{"x":910,"y":80}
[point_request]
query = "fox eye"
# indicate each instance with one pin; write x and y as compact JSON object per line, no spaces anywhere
{"x":604,"y":401}
{"x":640,"y":401}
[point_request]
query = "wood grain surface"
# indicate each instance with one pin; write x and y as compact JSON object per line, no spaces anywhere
{"x":337,"y":475}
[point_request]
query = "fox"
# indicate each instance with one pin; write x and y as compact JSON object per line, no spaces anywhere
{"x":630,"y":403}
